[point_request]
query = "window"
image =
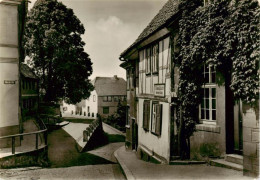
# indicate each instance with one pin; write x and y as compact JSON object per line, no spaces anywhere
{"x":146,"y":115}
{"x":93,"y":114}
{"x":148,"y":60}
{"x":94,"y":98}
{"x":155,"y":58}
{"x":105,"y":98}
{"x":156,"y":118}
{"x":116,"y":98}
{"x":105,"y":110}
{"x":109,"y":98}
{"x":208,"y":106}
{"x":88,"y":109}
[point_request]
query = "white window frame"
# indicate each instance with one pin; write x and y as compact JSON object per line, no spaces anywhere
{"x":209,"y":85}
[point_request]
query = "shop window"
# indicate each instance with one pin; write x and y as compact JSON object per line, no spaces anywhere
{"x":146,"y":115}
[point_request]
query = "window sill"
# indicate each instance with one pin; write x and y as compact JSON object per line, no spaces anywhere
{"x":208,"y":127}
{"x":127,"y":126}
{"x":157,"y":135}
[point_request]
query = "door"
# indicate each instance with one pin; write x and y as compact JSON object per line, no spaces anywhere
{"x":238,"y":133}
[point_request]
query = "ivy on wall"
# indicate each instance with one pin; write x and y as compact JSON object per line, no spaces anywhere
{"x":225,"y":34}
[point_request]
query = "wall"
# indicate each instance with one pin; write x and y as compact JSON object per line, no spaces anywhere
{"x":9,"y":59}
{"x":251,"y":140}
{"x":212,"y":133}
{"x":156,"y":144}
{"x":92,"y":103}
{"x":112,"y":106}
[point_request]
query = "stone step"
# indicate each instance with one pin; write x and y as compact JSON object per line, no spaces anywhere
{"x":226,"y":164}
{"x":234,"y":158}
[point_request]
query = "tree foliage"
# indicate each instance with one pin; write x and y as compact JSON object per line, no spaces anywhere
{"x":56,"y":51}
{"x":226,"y":35}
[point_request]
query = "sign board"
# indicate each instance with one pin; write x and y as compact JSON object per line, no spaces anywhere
{"x":159,"y":90}
{"x":9,"y":82}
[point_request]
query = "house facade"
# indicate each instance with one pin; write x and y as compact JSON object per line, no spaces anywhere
{"x":11,"y":22}
{"x":110,"y":90}
{"x":230,"y":128}
{"x":103,"y":99}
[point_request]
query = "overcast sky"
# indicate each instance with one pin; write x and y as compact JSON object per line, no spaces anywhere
{"x":111,"y":26}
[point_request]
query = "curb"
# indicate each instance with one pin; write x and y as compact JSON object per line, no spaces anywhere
{"x":119,"y":132}
{"x":129,"y":175}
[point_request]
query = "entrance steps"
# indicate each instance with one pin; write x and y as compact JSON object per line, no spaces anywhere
{"x":231,"y":161}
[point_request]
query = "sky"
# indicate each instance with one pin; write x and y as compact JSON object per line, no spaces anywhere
{"x":111,"y":26}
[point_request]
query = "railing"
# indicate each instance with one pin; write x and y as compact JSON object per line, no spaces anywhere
{"x":50,"y":119}
{"x":37,"y":133}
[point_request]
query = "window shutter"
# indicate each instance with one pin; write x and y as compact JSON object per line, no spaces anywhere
{"x":146,"y":114}
{"x":158,"y":119}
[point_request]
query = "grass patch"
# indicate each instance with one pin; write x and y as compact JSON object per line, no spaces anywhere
{"x":115,"y":138}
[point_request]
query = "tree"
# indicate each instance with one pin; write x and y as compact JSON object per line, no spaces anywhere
{"x":53,"y":43}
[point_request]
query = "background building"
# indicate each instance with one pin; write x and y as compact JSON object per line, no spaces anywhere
{"x":103,"y":100}
{"x":29,"y":91}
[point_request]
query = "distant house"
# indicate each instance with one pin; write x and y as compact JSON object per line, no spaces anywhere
{"x":29,"y":90}
{"x":110,"y":90}
{"x":103,"y":100}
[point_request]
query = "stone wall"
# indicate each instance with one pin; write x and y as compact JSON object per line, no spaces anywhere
{"x":251,"y":140}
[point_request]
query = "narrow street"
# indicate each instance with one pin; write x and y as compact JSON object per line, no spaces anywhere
{"x":68,"y":163}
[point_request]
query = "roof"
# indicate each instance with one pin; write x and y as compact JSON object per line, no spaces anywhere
{"x":26,"y":71}
{"x":166,"y":13}
{"x":110,"y":86}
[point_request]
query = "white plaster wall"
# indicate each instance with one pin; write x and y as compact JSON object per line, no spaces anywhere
{"x":9,"y":95}
{"x":93,"y":105}
{"x":157,"y":144}
{"x":146,"y":83}
{"x":8,"y":24}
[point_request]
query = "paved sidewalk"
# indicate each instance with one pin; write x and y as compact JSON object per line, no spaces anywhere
{"x":138,"y":169}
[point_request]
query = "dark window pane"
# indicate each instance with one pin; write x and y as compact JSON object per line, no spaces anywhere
{"x":202,"y":114}
{"x":202,"y":103}
{"x":207,"y":103}
{"x":207,"y":93}
{"x":206,"y":68}
{"x":206,"y":77}
{"x":213,"y":92}
{"x":213,"y":78}
{"x":207,"y":114}
{"x":213,"y":103}
{"x":213,"y":114}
